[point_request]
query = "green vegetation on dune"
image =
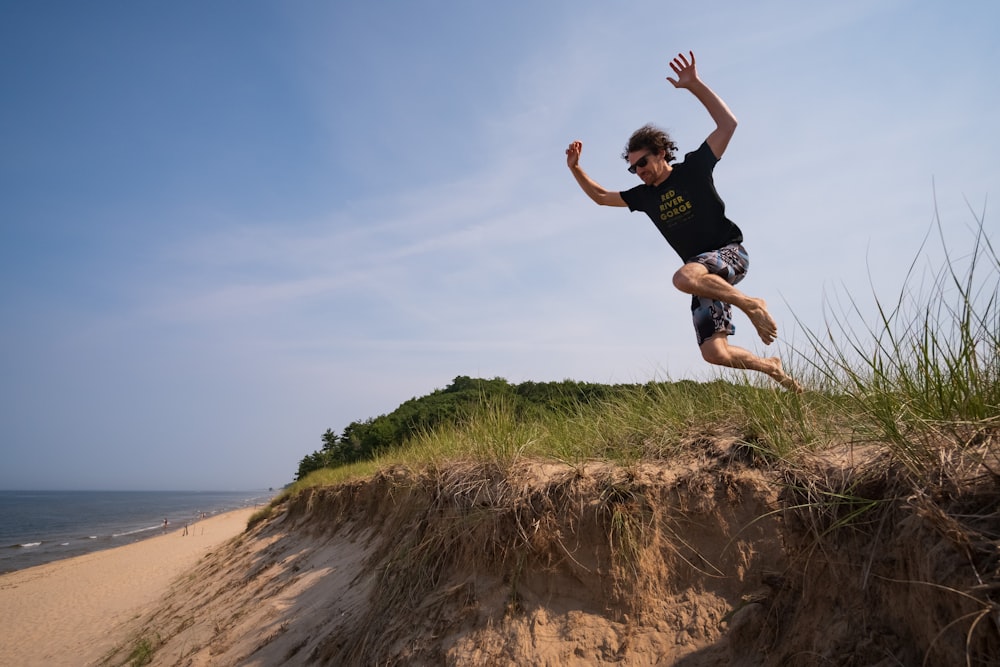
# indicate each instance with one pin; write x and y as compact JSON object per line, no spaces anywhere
{"x":460,"y":403}
{"x":924,"y":370}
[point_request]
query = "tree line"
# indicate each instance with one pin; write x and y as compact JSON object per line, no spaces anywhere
{"x":361,"y":440}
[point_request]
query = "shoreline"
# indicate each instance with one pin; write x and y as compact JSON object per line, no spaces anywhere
{"x":39,"y":527}
{"x":74,"y":610}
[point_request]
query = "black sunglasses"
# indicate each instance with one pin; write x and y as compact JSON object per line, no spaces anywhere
{"x":641,"y":162}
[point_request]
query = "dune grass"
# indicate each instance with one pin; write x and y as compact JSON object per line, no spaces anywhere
{"x":924,"y":371}
{"x":650,"y":422}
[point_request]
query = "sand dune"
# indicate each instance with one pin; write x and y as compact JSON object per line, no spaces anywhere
{"x":714,"y":560}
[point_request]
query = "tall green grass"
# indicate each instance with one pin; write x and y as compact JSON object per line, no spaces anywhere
{"x":923,"y":370}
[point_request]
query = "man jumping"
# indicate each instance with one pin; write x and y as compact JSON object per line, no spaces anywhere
{"x":682,"y":202}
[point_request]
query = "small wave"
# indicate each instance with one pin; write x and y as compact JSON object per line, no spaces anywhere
{"x":30,"y":544}
{"x":133,"y":532}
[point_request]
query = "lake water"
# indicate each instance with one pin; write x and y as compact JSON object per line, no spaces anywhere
{"x":39,"y":527}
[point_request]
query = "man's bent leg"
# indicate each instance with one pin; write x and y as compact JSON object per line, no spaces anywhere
{"x":717,"y":350}
{"x":694,"y":279}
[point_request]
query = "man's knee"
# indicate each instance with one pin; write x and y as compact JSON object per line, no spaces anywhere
{"x":715,"y":351}
{"x":685,"y":278}
{"x":682,"y":284}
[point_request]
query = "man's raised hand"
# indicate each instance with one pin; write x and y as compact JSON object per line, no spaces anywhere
{"x":573,"y":154}
{"x":684,"y":69}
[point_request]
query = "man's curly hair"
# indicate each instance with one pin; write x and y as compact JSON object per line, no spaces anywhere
{"x":653,"y":138}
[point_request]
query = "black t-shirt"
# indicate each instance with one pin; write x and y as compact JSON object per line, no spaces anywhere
{"x":686,"y":208}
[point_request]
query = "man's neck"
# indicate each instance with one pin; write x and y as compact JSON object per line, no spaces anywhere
{"x":666,"y":175}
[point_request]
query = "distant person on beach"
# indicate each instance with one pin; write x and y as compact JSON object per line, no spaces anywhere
{"x":682,"y":202}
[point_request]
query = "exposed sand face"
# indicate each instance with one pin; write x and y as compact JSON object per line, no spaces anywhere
{"x":706,"y":562}
{"x":72,"y":612}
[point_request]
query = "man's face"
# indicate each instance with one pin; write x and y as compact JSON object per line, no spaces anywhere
{"x":648,"y":165}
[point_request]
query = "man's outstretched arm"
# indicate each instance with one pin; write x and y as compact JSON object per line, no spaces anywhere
{"x":725,"y":121}
{"x":592,"y":189}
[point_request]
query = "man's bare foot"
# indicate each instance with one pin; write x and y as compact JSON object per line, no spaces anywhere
{"x":766,"y":327}
{"x":777,"y":373}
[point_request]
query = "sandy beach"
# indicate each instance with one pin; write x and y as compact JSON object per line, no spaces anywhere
{"x":73,"y":611}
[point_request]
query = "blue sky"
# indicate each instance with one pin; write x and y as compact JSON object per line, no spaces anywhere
{"x":226,"y":227}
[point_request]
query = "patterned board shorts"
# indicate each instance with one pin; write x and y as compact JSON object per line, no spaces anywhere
{"x":711,"y":317}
